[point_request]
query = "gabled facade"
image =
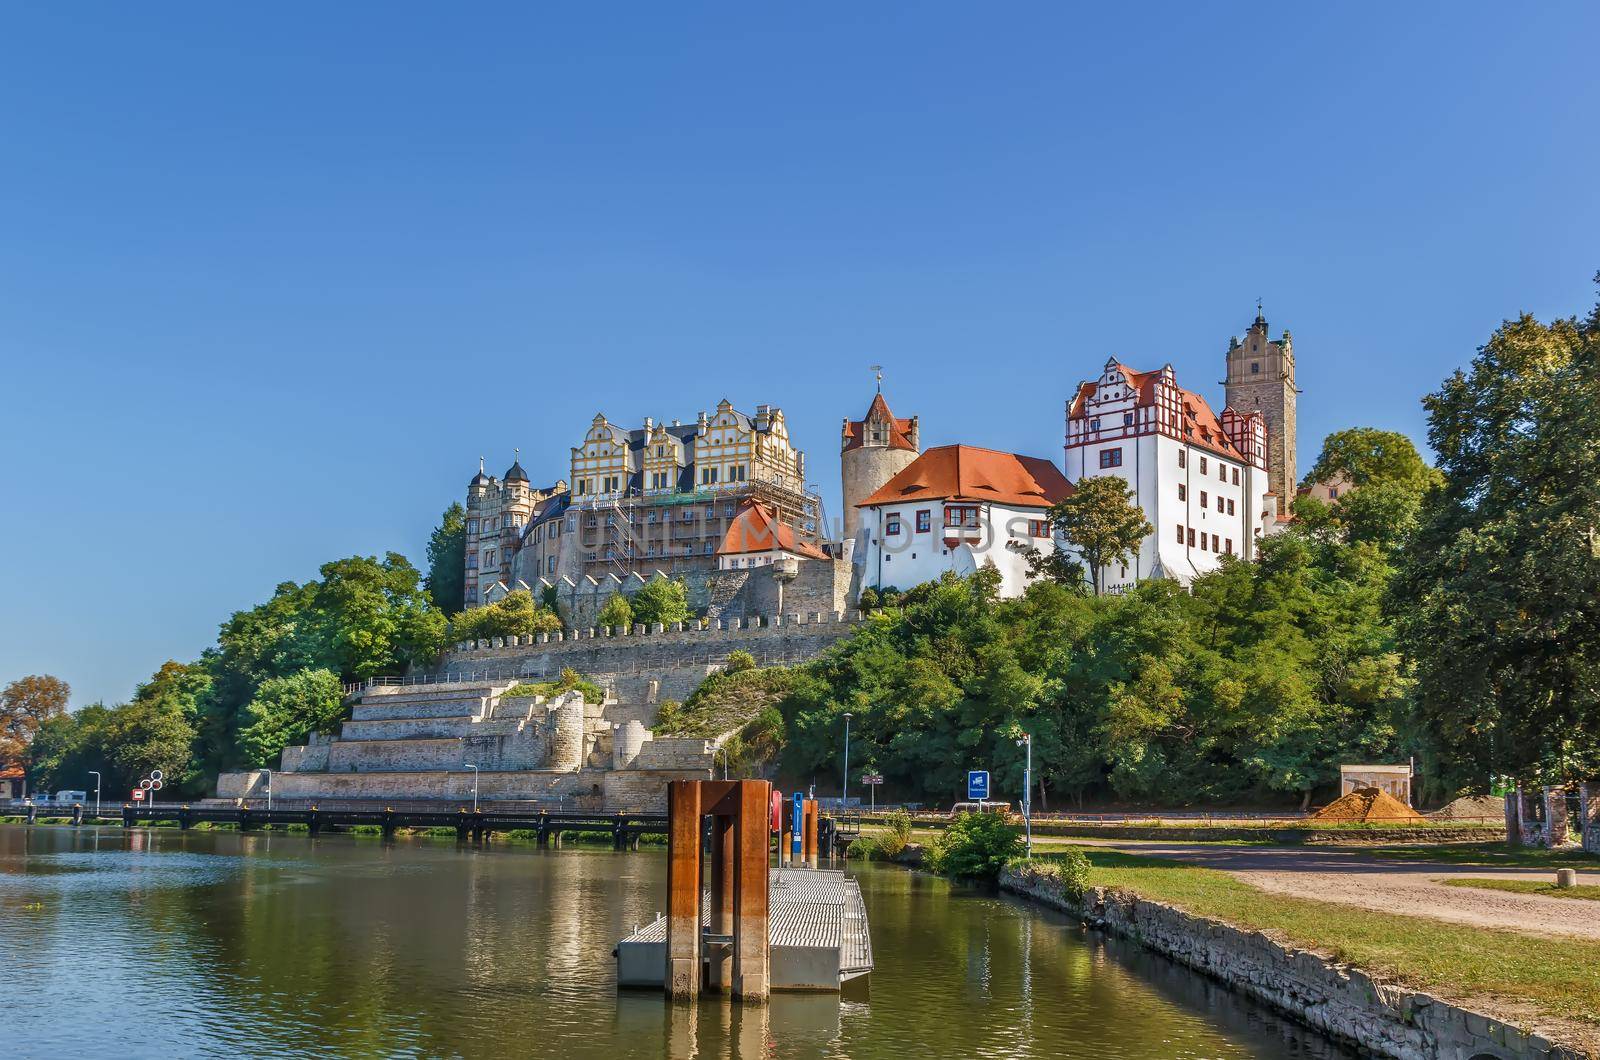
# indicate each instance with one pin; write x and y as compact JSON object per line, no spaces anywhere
{"x":958,"y":508}
{"x":1201,"y":479}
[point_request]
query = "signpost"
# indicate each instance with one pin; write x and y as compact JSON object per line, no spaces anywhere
{"x":872,"y":780}
{"x":797,"y":823}
{"x":978,"y":786}
{"x":138,"y":795}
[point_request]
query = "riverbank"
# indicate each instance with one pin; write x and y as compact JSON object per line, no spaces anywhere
{"x":1398,"y":985}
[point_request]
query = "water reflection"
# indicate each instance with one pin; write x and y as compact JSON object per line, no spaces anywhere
{"x":212,"y":944}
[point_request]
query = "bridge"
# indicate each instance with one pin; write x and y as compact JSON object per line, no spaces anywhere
{"x":623,"y":828}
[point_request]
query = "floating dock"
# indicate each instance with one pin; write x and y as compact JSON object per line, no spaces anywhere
{"x":817,"y":934}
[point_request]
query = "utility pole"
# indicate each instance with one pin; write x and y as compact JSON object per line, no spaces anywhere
{"x":845,"y":801}
{"x":1027,"y":790}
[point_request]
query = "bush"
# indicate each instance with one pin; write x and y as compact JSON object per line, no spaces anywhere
{"x":739,"y":660}
{"x":975,"y":846}
{"x":1068,"y":872}
{"x":898,"y":836}
{"x":570,"y":680}
{"x":515,"y":616}
{"x":616,"y":612}
{"x":661,"y":600}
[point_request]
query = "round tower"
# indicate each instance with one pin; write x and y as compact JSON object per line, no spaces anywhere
{"x":873,"y":450}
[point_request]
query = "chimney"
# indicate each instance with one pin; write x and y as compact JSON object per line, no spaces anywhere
{"x":648,"y":423}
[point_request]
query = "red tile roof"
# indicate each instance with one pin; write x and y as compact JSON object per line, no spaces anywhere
{"x":757,"y":528}
{"x":11,"y":773}
{"x":967,"y":473}
{"x":1203,"y":427}
{"x":899,"y":430}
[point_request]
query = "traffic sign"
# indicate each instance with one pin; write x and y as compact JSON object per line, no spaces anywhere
{"x":156,"y":775}
{"x":872,"y":778}
{"x":138,"y":795}
{"x":977,"y":784}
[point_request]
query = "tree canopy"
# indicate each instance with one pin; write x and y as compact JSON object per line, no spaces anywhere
{"x":1102,"y":523}
{"x":1498,"y":592}
{"x":446,"y":581}
{"x":664,"y":600}
{"x":514,"y":615}
{"x":26,"y":704}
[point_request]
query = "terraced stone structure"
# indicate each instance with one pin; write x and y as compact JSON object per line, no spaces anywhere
{"x":448,"y":734}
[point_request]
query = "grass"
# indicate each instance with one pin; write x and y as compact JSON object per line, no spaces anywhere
{"x":1558,"y":978}
{"x":1492,"y":855}
{"x":1584,"y":890}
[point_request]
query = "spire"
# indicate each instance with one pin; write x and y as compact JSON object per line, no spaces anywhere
{"x":877,"y":373}
{"x":1261,"y":320}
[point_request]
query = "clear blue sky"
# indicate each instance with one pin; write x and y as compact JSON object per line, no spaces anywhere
{"x":272,"y":277}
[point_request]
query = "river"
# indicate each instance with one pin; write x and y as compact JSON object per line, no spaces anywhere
{"x":158,"y":943}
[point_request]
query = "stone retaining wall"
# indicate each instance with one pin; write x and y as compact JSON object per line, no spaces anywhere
{"x":1343,"y":1002}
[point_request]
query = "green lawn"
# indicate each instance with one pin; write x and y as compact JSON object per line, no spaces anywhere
{"x":1559,"y":978}
{"x":1492,"y":855}
{"x":1586,"y":890}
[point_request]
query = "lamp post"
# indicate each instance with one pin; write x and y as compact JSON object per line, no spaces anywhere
{"x":96,"y":774}
{"x":268,"y":772}
{"x":474,"y":786}
{"x":845,"y":800}
{"x":1027,"y":790}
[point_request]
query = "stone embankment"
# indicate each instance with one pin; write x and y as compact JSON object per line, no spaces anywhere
{"x":1343,"y":1002}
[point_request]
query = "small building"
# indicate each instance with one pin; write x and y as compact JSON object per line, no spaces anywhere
{"x":1396,"y":780}
{"x":13,"y":782}
{"x":955,"y":509}
{"x":757,"y":537}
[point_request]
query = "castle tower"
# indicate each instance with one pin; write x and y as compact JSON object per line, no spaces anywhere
{"x":873,"y":450}
{"x":1261,"y":379}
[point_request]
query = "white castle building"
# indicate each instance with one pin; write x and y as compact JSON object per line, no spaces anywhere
{"x":1200,"y":478}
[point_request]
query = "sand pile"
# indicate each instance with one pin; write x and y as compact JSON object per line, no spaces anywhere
{"x":1472,"y":807}
{"x":1367,"y":804}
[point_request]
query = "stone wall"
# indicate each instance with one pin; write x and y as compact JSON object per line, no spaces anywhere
{"x":600,"y":653}
{"x":1343,"y":1002}
{"x":820,"y":585}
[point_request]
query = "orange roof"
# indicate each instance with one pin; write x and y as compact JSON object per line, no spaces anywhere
{"x":899,"y":430}
{"x":967,"y":473}
{"x":1202,"y":426}
{"x":11,"y":773}
{"x":757,"y":528}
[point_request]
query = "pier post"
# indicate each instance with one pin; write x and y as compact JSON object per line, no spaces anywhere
{"x":810,"y":845}
{"x":127,"y":816}
{"x":724,"y":843}
{"x":387,"y":823}
{"x":751,"y":900}
{"x":314,"y":821}
{"x":683,"y":889}
{"x":77,"y":814}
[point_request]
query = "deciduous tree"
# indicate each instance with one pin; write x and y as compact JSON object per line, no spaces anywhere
{"x":1102,"y":523}
{"x":25,"y":704}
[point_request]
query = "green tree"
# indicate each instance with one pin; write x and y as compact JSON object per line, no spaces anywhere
{"x":447,"y":557}
{"x":664,"y":600}
{"x":976,"y":846}
{"x":514,"y":615}
{"x":25,"y":704}
{"x":1102,"y":523}
{"x":615,"y":612}
{"x":1386,"y":478}
{"x":287,"y":710}
{"x":1498,"y":591}
{"x":67,"y":747}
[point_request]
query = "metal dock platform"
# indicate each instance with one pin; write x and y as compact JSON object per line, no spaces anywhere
{"x":817,"y":932}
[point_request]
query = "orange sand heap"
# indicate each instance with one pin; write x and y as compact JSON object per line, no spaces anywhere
{"x":1367,"y":804}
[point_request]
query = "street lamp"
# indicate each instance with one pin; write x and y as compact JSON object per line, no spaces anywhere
{"x":1027,"y":789}
{"x":96,"y":774}
{"x":845,"y":801}
{"x":474,"y":786}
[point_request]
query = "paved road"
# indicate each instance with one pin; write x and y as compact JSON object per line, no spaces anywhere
{"x":1354,"y":877}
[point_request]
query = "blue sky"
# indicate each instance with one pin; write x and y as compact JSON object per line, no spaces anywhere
{"x":272,"y":277}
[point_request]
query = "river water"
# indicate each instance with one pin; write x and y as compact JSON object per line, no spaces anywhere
{"x":166,"y":944}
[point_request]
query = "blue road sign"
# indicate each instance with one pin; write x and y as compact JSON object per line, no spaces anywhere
{"x":977,"y":784}
{"x":797,"y":826}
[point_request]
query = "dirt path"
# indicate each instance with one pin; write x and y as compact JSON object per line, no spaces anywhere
{"x":1352,"y":877}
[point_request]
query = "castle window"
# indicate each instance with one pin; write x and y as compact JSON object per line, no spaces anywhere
{"x":711,"y":511}
{"x":961,"y":515}
{"x":1216,"y":544}
{"x":924,"y":521}
{"x":1222,"y":472}
{"x":1202,"y":498}
{"x":1111,"y":457}
{"x":1227,"y":545}
{"x":1180,"y":533}
{"x":1235,"y":476}
{"x":891,"y":526}
{"x":1038,"y":528}
{"x":661,"y":450}
{"x":472,"y":526}
{"x":728,"y":510}
{"x":688,"y":515}
{"x":1255,"y":367}
{"x":472,"y":561}
{"x":1230,"y":507}
{"x":708,"y":476}
{"x":1191,"y":537}
{"x":1183,"y":492}
{"x":1127,"y":419}
{"x":1183,"y":458}
{"x":550,"y":565}
{"x":1202,"y":465}
{"x":709,"y":547}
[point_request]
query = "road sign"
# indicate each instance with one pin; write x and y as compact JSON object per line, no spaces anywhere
{"x":138,"y":795}
{"x":977,"y":784}
{"x":872,"y":778}
{"x":797,"y":823}
{"x":156,"y":775}
{"x":156,"y":784}
{"x":145,"y":783}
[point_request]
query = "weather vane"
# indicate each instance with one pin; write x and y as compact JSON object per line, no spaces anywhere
{"x":877,"y":371}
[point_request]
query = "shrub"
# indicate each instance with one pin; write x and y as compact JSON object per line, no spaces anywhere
{"x":898,"y":835}
{"x":1067,"y":872}
{"x":515,"y":616}
{"x":976,"y":846}
{"x":616,"y":612}
{"x":661,"y":600}
{"x":570,"y":680}
{"x":739,"y":660}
